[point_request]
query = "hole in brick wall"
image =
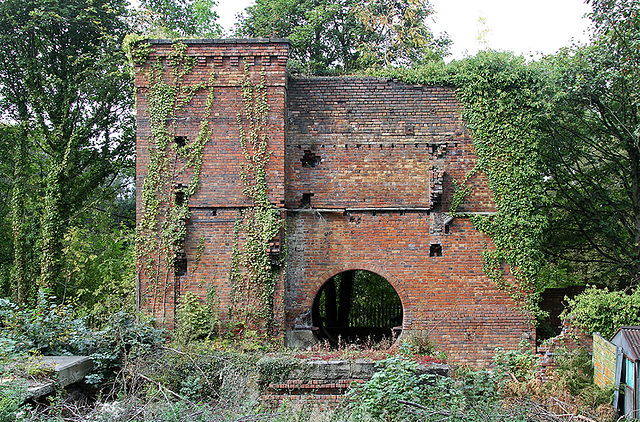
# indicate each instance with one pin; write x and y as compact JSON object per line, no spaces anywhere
{"x":309,"y":159}
{"x":357,"y":306}
{"x":181,"y":265}
{"x":213,"y":212}
{"x":306,"y":200}
{"x":408,"y":130}
{"x":447,"y":228}
{"x":435,"y":250}
{"x":180,"y":141}
{"x":179,"y":194}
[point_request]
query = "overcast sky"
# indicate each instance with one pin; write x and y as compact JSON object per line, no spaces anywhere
{"x":521,"y":26}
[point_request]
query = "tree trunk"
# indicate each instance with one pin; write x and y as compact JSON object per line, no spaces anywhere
{"x":19,"y":269}
{"x":330,"y":303}
{"x":346,"y":291}
{"x":52,"y":231}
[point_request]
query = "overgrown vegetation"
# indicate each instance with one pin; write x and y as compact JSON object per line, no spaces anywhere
{"x":253,"y":275}
{"x":556,"y":138}
{"x":165,"y":202}
{"x":604,"y":311}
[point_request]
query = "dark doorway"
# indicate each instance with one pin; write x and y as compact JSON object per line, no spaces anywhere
{"x":357,"y":306}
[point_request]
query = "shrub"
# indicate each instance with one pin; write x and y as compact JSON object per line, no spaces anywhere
{"x":195,"y":320}
{"x":599,"y":310}
{"x":52,"y":329}
{"x":520,"y":364}
{"x":401,"y":391}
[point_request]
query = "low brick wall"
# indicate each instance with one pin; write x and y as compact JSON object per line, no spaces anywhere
{"x":321,"y":383}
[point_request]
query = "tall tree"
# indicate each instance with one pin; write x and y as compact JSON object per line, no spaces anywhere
{"x":592,"y":152}
{"x":63,"y":80}
{"x":180,"y":18}
{"x":331,"y":36}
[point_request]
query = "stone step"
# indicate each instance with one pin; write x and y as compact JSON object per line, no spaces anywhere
{"x":66,"y":370}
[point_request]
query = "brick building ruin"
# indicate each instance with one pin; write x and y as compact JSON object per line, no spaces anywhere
{"x":362,"y":172}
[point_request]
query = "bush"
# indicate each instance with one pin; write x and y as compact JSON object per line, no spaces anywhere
{"x":195,"y":320}
{"x":401,"y":391}
{"x":599,"y":310}
{"x":520,"y":364}
{"x":52,"y":329}
{"x":12,"y":395}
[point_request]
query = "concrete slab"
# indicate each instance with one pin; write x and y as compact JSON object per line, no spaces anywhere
{"x":66,"y":370}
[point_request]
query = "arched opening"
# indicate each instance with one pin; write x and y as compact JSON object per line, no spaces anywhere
{"x":357,"y":306}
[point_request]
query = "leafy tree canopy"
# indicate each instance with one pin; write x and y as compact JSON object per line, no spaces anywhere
{"x":332,"y":36}
{"x":591,"y":150}
{"x":63,"y":83}
{"x":179,"y":18}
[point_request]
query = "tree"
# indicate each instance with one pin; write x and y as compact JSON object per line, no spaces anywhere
{"x":400,"y":35}
{"x":181,"y":18}
{"x":592,"y":150}
{"x":331,"y":36}
{"x":63,"y":81}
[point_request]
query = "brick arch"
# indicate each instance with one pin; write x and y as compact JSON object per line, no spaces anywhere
{"x":319,"y":281}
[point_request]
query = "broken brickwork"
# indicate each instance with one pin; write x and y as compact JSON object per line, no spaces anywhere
{"x":362,"y":171}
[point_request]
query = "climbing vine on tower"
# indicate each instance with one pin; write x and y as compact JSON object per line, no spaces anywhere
{"x":254,"y":270}
{"x":173,"y":168}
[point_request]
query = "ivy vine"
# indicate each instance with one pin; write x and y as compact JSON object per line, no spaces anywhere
{"x":252,"y":276}
{"x":161,"y":231}
{"x":499,"y":93}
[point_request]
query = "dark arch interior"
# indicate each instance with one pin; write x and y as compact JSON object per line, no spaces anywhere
{"x":357,"y":306}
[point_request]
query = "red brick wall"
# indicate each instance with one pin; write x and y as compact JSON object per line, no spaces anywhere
{"x":377,"y":146}
{"x":219,"y":200}
{"x":379,"y":158}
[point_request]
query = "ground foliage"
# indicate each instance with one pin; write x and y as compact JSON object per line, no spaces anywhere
{"x":211,"y":381}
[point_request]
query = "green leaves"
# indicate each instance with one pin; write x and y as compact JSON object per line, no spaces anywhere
{"x":343,"y":36}
{"x":162,"y":227}
{"x":592,"y":150}
{"x":260,"y":223}
{"x":604,"y":311}
{"x":502,"y":105}
{"x":180,"y":18}
{"x":64,"y":84}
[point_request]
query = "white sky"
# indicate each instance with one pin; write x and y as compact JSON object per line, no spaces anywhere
{"x":522,"y":26}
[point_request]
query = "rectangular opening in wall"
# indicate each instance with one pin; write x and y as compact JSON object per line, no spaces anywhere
{"x":181,"y":265}
{"x":179,"y":194}
{"x":306,"y":200}
{"x":447,"y":229}
{"x":180,"y":141}
{"x":435,"y":250}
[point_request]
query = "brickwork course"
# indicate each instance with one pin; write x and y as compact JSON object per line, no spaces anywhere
{"x":362,"y":172}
